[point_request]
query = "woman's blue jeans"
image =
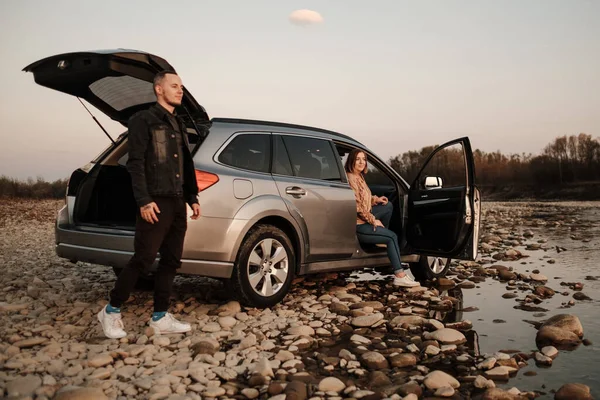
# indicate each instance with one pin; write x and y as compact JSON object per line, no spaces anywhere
{"x":367,"y":234}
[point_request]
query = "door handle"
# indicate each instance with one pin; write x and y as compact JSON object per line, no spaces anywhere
{"x":295,"y":191}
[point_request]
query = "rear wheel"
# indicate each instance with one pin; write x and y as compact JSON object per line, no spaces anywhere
{"x":430,"y":267}
{"x":264,"y":268}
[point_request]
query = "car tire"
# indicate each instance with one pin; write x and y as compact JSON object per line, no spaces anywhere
{"x":144,"y":283}
{"x":430,"y":267}
{"x":264,"y":267}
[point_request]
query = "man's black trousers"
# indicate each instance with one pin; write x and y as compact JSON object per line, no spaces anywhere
{"x":166,"y":237}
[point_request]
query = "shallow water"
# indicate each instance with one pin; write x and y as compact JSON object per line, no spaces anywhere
{"x":579,"y":260}
{"x":581,"y":365}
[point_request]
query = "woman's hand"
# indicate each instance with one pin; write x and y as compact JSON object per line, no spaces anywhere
{"x":379,"y":223}
{"x":382,"y":200}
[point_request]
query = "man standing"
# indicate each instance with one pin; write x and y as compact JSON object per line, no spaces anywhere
{"x":163,"y":179}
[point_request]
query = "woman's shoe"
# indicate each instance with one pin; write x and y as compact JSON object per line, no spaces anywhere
{"x":405,"y":281}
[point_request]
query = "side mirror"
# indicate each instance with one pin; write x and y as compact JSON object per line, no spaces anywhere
{"x":432,"y":182}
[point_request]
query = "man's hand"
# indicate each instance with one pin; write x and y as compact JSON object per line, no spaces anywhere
{"x":149,"y":212}
{"x":196,"y":210}
{"x":382,"y":200}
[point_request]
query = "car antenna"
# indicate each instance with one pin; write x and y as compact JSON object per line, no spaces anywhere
{"x":98,"y":122}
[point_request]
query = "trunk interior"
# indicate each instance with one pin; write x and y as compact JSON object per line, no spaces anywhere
{"x":105,"y":199}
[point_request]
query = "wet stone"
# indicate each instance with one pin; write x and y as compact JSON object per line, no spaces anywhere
{"x":573,"y":391}
{"x":581,"y":296}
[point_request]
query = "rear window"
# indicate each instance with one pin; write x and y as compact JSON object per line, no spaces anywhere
{"x":121,"y":92}
{"x":248,"y":151}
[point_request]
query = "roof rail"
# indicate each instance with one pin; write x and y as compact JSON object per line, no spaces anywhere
{"x":280,"y":124}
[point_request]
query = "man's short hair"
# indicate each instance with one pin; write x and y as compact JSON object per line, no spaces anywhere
{"x":159,"y":77}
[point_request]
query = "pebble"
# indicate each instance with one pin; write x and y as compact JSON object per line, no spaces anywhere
{"x":100,"y":360}
{"x":23,"y":386}
{"x":447,"y":336}
{"x":360,"y":339}
{"x":539,"y":278}
{"x":250,"y":393}
{"x":302,"y":330}
{"x":32,"y":342}
{"x":403,"y":360}
{"x":482,"y":383}
{"x":367,"y":320}
{"x":161,"y":341}
{"x":500,"y":372}
{"x":227,"y":322}
{"x":439,"y":379}
{"x":214,"y":392}
{"x":263,"y":368}
{"x":374,"y":360}
{"x":446,"y":391}
{"x":542,"y":359}
{"x":331,"y":384}
{"x":487,"y":364}
{"x":550,"y":351}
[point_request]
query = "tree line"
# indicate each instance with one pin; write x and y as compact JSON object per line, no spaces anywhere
{"x":565,"y":160}
{"x":32,"y":189}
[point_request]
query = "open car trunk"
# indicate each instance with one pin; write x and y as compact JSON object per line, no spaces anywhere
{"x":105,"y":199}
{"x":119,"y":83}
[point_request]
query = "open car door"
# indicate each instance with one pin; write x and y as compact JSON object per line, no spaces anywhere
{"x":444,"y":204}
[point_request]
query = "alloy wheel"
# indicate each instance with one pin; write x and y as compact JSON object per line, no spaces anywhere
{"x":268,"y":267}
{"x":437,"y":264}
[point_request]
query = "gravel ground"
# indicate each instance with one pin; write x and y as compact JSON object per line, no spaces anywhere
{"x":331,"y":337}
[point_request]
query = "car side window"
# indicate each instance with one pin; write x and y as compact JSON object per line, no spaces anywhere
{"x":374,"y":176}
{"x":248,"y":151}
{"x":312,"y":158}
{"x":281,"y":160}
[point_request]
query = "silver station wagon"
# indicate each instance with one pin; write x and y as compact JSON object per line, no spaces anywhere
{"x":275,"y":200}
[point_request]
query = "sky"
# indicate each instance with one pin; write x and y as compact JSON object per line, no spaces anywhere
{"x":396,"y":75}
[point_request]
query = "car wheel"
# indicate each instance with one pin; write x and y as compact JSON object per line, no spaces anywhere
{"x":264,"y":267}
{"x":143,"y":282}
{"x":430,"y":267}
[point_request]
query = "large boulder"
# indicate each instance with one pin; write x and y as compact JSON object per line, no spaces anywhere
{"x":562,"y":330}
{"x":573,"y":391}
{"x":566,"y":321}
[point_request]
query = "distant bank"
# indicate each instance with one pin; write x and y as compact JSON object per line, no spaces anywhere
{"x":584,"y":191}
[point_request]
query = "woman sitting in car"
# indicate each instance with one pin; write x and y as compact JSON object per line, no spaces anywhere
{"x":371,"y":211}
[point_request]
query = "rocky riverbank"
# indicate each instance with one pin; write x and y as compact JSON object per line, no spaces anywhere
{"x":332,"y":337}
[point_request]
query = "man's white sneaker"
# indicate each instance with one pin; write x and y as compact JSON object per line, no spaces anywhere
{"x":112,"y":324}
{"x":168,"y":324}
{"x":405,"y":281}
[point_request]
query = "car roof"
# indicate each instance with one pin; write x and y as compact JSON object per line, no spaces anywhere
{"x":283,"y":127}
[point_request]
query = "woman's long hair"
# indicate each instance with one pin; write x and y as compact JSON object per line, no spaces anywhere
{"x":351,"y":160}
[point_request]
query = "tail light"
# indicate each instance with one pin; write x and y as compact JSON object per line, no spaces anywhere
{"x":205,"y":179}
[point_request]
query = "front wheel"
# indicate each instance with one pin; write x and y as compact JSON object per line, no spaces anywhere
{"x":264,"y":268}
{"x":430,"y":267}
